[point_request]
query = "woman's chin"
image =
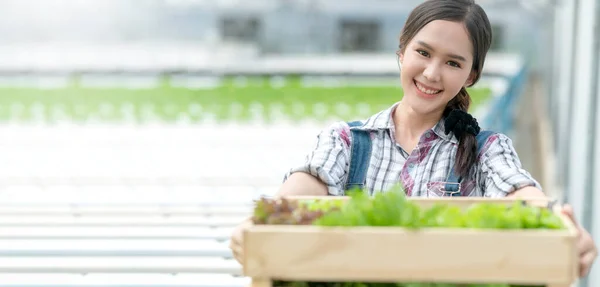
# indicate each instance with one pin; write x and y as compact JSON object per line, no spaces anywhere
{"x":423,"y":106}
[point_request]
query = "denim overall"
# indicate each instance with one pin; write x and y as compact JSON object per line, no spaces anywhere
{"x":360,"y":154}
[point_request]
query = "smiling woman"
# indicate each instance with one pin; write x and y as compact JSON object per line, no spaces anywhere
{"x":442,"y":52}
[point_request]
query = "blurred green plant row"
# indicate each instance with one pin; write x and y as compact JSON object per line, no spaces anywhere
{"x":235,"y":99}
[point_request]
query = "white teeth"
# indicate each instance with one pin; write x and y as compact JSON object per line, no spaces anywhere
{"x":425,"y":90}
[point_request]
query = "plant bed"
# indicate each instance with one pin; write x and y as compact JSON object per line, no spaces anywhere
{"x":228,"y":101}
{"x":392,"y":240}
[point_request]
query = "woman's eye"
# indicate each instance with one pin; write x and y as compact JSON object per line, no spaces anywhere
{"x":454,"y":64}
{"x":423,"y":53}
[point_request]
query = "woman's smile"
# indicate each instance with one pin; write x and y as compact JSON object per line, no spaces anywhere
{"x":426,"y":91}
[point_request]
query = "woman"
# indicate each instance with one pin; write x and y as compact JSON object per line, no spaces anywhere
{"x":427,"y":141}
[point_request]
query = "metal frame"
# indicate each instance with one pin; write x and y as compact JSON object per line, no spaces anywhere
{"x":574,"y":101}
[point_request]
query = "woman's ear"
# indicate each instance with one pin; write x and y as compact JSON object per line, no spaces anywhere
{"x":471,"y":79}
{"x":400,"y":56}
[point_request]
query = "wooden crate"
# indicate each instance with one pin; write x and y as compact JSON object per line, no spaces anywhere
{"x":392,"y":254}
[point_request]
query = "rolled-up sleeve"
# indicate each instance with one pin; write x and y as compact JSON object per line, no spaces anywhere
{"x":500,"y":168}
{"x":328,"y":160}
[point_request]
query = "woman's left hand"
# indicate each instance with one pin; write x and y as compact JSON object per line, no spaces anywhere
{"x":585,"y":244}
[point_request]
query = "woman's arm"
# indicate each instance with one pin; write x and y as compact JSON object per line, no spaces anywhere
{"x":528,"y":191}
{"x":324,"y":170}
{"x":301,"y":183}
{"x":501,"y":173}
{"x":322,"y":173}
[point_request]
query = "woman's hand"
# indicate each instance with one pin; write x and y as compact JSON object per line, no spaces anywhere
{"x":585,"y":244}
{"x":237,"y":240}
{"x":299,"y":183}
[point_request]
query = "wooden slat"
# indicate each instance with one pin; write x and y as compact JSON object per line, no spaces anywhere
{"x":89,"y":221}
{"x":115,"y":232}
{"x":115,"y":162}
{"x":116,"y":210}
{"x":23,"y":190}
{"x":122,"y":280}
{"x":150,"y":264}
{"x":114,"y":247}
{"x":274,"y":135}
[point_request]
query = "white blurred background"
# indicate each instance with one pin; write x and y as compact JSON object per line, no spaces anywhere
{"x":135,"y":133}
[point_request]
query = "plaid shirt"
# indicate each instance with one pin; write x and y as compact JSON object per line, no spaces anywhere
{"x":424,"y":172}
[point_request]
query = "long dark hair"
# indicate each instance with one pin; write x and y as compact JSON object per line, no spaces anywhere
{"x":480,"y":33}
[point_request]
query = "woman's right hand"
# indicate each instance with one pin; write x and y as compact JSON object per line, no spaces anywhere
{"x":299,"y":183}
{"x":237,"y":240}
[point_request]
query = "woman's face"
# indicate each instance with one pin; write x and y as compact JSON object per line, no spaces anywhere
{"x":436,"y":64}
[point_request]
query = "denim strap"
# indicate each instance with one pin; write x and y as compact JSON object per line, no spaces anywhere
{"x":360,"y":155}
{"x":452,"y":187}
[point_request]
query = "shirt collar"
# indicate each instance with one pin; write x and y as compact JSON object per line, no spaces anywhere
{"x":383,"y":120}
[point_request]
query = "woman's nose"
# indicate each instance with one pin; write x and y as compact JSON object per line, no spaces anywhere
{"x":432,"y":73}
